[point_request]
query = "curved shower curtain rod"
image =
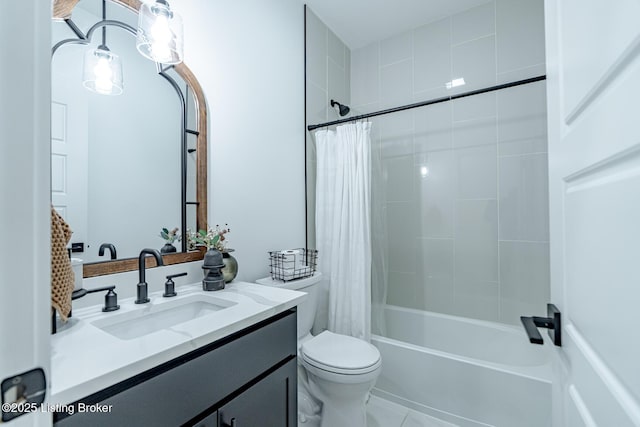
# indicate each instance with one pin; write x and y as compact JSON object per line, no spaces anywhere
{"x":430,"y":102}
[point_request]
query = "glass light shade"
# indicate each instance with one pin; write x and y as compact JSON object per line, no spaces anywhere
{"x":159,"y":35}
{"x":102,"y":72}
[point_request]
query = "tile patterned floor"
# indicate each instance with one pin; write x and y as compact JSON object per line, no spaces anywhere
{"x":382,"y":413}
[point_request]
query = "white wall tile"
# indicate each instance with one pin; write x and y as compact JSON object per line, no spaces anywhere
{"x":475,"y":61}
{"x":476,"y":249}
{"x":401,"y":230}
{"x":474,"y":23}
{"x":317,"y":104}
{"x":364,"y":75}
{"x":395,"y":49}
{"x":476,"y":172}
{"x":335,"y":48}
{"x":396,"y":133}
{"x":520,"y":33}
{"x":524,"y":280}
{"x":432,"y":55}
{"x":396,"y":84}
{"x":404,"y":290}
{"x":316,"y":50}
{"x":436,"y":274}
{"x":435,"y":192}
{"x":475,"y":132}
{"x":522,"y":119}
{"x":524,"y":195}
{"x":347,"y":74}
{"x":474,"y":107}
{"x":521,"y":73}
{"x":398,"y":177}
{"x":477,"y":299}
{"x":337,"y":89}
{"x":433,"y":127}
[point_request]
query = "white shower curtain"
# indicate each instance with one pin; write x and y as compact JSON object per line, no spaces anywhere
{"x":343,"y":225}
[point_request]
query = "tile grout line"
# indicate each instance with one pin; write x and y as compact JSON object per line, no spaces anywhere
{"x":495,"y":46}
{"x":455,"y":208}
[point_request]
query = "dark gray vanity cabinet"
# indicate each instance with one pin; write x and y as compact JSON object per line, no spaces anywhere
{"x":244,"y":380}
{"x":268,"y":403}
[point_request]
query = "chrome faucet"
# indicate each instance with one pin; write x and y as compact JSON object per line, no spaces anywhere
{"x":142,"y":291}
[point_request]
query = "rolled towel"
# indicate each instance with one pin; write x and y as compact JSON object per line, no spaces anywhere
{"x":62,"y":277}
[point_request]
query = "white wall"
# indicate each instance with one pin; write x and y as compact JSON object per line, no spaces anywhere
{"x":470,"y":237}
{"x":249,"y":58}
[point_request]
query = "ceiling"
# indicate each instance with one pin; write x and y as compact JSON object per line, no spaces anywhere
{"x":360,"y":22}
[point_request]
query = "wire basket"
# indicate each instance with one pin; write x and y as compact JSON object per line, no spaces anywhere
{"x":293,"y":264}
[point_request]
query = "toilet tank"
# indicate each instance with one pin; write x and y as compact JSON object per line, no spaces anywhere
{"x":306,"y":309}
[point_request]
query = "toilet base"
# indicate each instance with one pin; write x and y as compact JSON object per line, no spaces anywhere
{"x":308,"y":406}
{"x":344,"y":414}
{"x":343,"y":404}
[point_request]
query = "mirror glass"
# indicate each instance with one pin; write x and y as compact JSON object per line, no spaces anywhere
{"x":116,"y":160}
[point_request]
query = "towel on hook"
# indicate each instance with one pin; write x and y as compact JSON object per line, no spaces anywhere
{"x":62,"y":277}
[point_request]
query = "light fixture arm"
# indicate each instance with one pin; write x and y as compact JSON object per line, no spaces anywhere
{"x":86,"y":38}
{"x":104,"y":18}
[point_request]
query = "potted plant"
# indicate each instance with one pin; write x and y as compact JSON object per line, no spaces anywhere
{"x":214,"y":238}
{"x":169,"y":237}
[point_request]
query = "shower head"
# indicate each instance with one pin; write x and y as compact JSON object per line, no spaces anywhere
{"x":344,"y":110}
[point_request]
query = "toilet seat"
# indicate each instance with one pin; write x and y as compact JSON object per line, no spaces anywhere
{"x":340,"y":354}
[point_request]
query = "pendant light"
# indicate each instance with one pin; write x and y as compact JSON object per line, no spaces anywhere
{"x":102,"y":69}
{"x":159,"y":35}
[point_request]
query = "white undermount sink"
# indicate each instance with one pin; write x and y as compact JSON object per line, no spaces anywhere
{"x":156,"y":317}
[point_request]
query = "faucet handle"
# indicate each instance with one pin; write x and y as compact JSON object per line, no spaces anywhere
{"x":110,"y":299}
{"x":170,"y":286}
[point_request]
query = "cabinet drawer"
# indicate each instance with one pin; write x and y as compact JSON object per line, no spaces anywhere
{"x":175,"y":392}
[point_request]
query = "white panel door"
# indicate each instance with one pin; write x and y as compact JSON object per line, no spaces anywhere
{"x":25,"y":302}
{"x":59,"y":158}
{"x":593,"y":70}
{"x":69,"y":144}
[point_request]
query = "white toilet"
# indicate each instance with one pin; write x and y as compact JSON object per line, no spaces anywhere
{"x":337,"y":370}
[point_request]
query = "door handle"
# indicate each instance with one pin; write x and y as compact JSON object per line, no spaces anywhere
{"x":551,"y":322}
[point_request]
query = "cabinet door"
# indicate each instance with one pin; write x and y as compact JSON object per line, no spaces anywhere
{"x":271,"y":402}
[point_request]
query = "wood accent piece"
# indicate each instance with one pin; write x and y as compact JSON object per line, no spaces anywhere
{"x":62,"y":10}
{"x":129,"y":264}
{"x":201,"y":144}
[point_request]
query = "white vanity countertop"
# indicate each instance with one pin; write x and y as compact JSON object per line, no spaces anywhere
{"x":86,"y":359}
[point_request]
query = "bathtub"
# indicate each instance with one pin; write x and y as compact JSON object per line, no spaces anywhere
{"x":467,"y":372}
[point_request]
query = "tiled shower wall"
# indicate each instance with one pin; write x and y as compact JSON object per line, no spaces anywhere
{"x":459,"y":188}
{"x":463,"y":193}
{"x":327,"y":77}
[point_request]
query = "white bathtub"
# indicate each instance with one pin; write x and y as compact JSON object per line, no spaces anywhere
{"x":468,"y":372}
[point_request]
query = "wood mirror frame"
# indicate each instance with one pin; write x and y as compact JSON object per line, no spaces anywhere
{"x":62,"y":10}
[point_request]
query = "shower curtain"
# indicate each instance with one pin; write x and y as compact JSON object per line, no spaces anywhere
{"x":343,"y":225}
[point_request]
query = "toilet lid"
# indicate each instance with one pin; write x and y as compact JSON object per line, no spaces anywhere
{"x":328,"y":350}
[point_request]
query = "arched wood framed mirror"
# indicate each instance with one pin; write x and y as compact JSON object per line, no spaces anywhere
{"x":193,"y":130}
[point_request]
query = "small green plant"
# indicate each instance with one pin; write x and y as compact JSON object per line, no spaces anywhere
{"x":213,"y":238}
{"x":192,"y":242}
{"x":170,"y":236}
